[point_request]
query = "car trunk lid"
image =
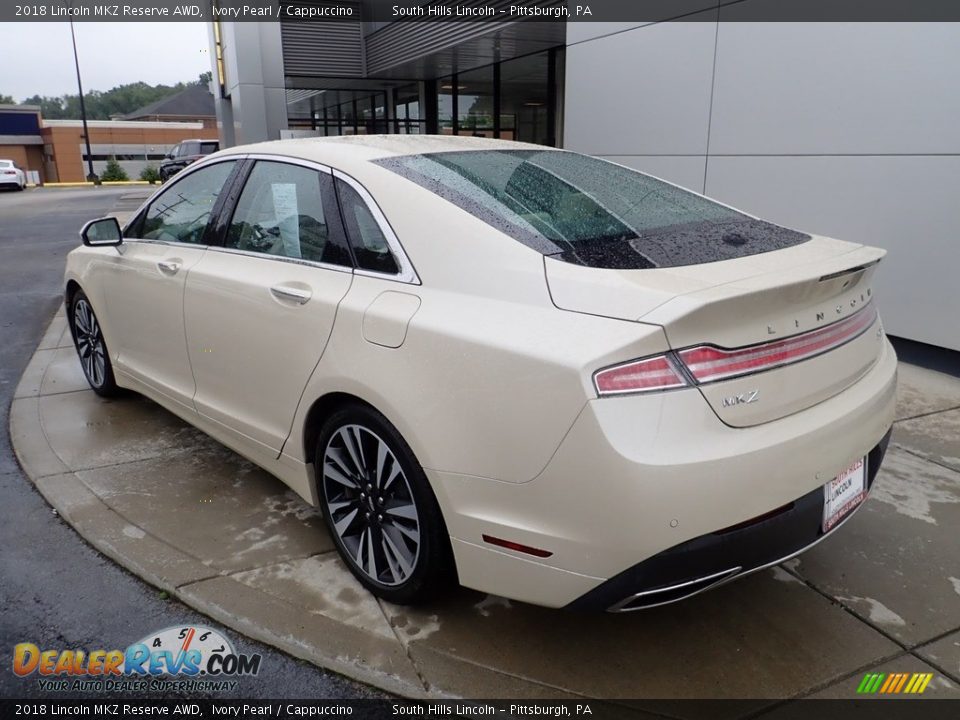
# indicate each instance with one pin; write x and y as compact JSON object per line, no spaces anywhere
{"x":799,"y":310}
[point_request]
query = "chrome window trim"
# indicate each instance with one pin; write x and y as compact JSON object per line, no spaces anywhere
{"x":407,"y":272}
{"x":171,"y":243}
{"x":282,"y":258}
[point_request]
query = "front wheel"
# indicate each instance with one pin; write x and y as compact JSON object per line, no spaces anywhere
{"x":91,"y":347}
{"x":380,"y":509}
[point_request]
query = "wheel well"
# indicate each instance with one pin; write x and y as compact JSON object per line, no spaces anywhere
{"x":321,"y":409}
{"x":72,"y":287}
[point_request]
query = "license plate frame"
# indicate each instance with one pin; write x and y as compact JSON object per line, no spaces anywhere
{"x":843,"y":494}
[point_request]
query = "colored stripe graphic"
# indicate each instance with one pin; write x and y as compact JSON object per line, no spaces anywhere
{"x":894,"y":683}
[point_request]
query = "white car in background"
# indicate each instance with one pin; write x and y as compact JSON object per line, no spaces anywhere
{"x":11,"y":175}
{"x":554,"y":378}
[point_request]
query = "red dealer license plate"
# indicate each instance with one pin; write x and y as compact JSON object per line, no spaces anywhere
{"x":842,"y":494}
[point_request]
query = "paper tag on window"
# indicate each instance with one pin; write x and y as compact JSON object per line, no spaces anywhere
{"x":288,"y":219}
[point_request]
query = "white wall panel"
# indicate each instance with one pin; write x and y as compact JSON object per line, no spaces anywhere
{"x":850,"y":88}
{"x":641,"y":92}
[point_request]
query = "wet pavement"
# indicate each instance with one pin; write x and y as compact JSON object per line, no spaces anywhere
{"x":199,"y":522}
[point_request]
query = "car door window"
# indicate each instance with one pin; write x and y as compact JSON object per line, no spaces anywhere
{"x":370,"y":246}
{"x":182,"y":212}
{"x":289,"y":211}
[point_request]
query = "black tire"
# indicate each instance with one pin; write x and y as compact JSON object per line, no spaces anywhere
{"x":379,"y":504}
{"x":91,"y":347}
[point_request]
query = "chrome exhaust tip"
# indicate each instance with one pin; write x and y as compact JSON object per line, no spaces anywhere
{"x":673,"y":593}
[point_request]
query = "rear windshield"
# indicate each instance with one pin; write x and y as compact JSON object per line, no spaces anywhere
{"x":589,"y":211}
{"x":6,"y":163}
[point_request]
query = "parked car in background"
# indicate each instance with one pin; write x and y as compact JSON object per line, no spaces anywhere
{"x":189,"y":151}
{"x":12,"y":176}
{"x":554,"y":378}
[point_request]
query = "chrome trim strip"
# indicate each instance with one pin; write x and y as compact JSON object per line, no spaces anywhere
{"x":407,"y":272}
{"x":281,"y":258}
{"x":170,"y":243}
{"x":718,"y":577}
{"x":289,"y":160}
{"x":618,"y":607}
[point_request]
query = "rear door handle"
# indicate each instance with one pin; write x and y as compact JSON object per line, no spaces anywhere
{"x":285,"y":292}
{"x":168,"y":266}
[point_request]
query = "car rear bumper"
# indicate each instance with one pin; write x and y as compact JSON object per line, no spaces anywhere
{"x":649,"y":476}
{"x":711,"y":560}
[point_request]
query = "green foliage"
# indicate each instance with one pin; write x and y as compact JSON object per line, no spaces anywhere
{"x":150,"y":174}
{"x":7,"y":100}
{"x":100,"y":105}
{"x":113,"y":171}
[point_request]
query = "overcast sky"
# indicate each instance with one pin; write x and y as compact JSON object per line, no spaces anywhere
{"x":111,"y":54}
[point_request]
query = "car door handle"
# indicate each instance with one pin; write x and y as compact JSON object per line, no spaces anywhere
{"x":285,"y":292}
{"x":168,"y":266}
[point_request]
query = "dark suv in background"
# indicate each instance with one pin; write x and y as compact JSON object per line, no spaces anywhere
{"x":185,"y":153}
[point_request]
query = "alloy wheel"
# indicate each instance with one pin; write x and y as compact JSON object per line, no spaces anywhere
{"x":89,"y":343}
{"x":371,"y":506}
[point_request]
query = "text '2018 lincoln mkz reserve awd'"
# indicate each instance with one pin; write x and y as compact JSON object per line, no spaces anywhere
{"x":547,"y":376}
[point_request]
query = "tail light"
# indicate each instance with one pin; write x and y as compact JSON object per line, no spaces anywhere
{"x":706,"y":363}
{"x":654,"y":373}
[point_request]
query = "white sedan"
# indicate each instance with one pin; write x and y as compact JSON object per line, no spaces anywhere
{"x":11,"y":175}
{"x":550,"y":377}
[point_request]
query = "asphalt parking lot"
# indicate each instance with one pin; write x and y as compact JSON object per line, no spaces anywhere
{"x":207,"y":527}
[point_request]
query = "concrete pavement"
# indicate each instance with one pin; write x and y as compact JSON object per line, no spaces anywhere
{"x":198,"y":521}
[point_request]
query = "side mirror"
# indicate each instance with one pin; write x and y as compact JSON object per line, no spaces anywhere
{"x":104,"y":232}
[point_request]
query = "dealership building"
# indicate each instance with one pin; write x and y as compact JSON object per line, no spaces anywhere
{"x":842,"y":129}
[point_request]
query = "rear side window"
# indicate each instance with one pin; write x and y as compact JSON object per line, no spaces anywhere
{"x":207,"y":148}
{"x":370,"y":246}
{"x":289,"y":211}
{"x":591,"y":212}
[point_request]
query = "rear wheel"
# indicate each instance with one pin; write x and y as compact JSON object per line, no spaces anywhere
{"x":380,"y":509}
{"x":91,"y":347}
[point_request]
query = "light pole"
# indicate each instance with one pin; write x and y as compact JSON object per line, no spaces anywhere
{"x":91,"y":175}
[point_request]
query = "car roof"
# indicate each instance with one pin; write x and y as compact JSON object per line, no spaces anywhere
{"x":346,"y":151}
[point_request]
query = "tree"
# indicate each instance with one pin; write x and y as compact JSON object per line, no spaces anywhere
{"x":101,"y":105}
{"x":7,"y":100}
{"x":150,"y":174}
{"x":113,"y":171}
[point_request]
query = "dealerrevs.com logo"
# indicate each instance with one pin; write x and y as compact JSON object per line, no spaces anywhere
{"x":191,"y":658}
